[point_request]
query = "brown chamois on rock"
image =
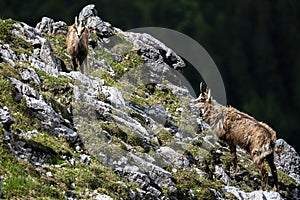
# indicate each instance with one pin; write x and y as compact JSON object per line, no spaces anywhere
{"x":77,"y":45}
{"x":239,"y":129}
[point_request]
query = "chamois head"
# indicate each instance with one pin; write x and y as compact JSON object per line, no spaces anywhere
{"x":79,"y":27}
{"x":204,"y":98}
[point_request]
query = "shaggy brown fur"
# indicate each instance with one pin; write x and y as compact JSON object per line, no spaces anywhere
{"x":239,"y":129}
{"x":77,"y":45}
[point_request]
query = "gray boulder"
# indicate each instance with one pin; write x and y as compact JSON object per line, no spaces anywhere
{"x":42,"y":56}
{"x":28,"y":33}
{"x":8,"y":55}
{"x":47,"y":56}
{"x":221,"y":174}
{"x":157,"y":113}
{"x":86,"y":12}
{"x":171,"y":158}
{"x":113,"y":96}
{"x":255,"y":195}
{"x":287,"y":159}
{"x":30,"y":75}
{"x":151,"y":178}
{"x":50,"y":120}
{"x":48,"y":26}
{"x":88,"y":16}
{"x":5,"y":118}
{"x":153,"y":50}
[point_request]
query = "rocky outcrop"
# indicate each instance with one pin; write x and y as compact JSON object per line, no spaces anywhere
{"x":241,"y":195}
{"x":7,"y":55}
{"x":5,"y":118}
{"x":42,"y":56}
{"x":50,"y":120}
{"x":287,"y":159}
{"x":30,"y":75}
{"x":131,"y":115}
{"x":89,"y":16}
{"x":48,"y":26}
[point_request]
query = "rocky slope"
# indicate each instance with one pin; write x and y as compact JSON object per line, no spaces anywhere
{"x":128,"y":131}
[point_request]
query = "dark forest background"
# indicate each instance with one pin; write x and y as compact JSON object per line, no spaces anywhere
{"x":254,"y":43}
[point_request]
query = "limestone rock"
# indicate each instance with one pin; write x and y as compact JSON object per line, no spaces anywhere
{"x":5,"y":118}
{"x":86,"y":12}
{"x":30,"y":75}
{"x":241,"y":195}
{"x":8,"y":55}
{"x":153,"y":50}
{"x":113,"y":96}
{"x":48,"y":26}
{"x":50,"y":120}
{"x":28,"y":33}
{"x":89,"y":16}
{"x":157,"y":113}
{"x":221,"y":174}
{"x":287,"y":159}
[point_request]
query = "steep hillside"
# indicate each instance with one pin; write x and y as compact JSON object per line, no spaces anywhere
{"x":126,"y":131}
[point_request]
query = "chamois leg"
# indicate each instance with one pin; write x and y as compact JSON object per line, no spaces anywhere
{"x":270,"y":160}
{"x":84,"y":67}
{"x":74,"y":61}
{"x":232,"y":148}
{"x":264,"y":174}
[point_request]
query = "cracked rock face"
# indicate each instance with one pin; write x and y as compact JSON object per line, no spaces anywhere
{"x":153,"y":50}
{"x":30,"y":75}
{"x":287,"y":159}
{"x":241,"y":195}
{"x":128,"y":141}
{"x":42,"y":56}
{"x":89,"y":16}
{"x":48,"y":26}
{"x":8,"y":55}
{"x":5,"y":118}
{"x":51,"y":121}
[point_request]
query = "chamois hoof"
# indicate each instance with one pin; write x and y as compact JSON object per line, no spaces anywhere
{"x":275,"y":188}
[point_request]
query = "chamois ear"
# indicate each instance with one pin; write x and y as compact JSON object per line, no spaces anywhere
{"x":201,"y":87}
{"x":76,"y":21}
{"x":209,"y":95}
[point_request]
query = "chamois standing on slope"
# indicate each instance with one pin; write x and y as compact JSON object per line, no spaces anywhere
{"x":77,"y":45}
{"x":239,"y":129}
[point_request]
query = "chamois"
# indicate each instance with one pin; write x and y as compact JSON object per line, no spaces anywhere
{"x":239,"y":129}
{"x":77,"y":45}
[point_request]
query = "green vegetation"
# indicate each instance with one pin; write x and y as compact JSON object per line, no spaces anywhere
{"x":138,"y":117}
{"x":58,"y":92}
{"x":123,"y":133}
{"x":16,"y":43}
{"x":23,"y":119}
{"x":164,"y":136}
{"x":23,"y":179}
{"x":150,"y":94}
{"x":59,"y":46}
{"x":129,"y":60}
{"x":189,"y":182}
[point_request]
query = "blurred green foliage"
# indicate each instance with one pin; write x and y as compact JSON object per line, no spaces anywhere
{"x":255,"y":44}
